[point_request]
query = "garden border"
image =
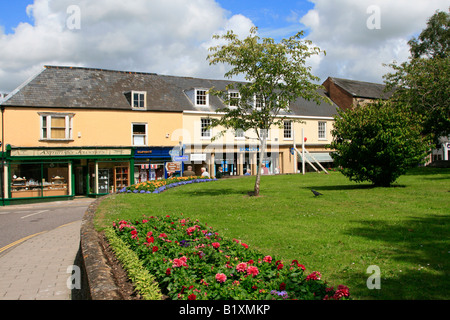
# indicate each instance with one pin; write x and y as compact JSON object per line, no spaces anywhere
{"x":97,"y":280}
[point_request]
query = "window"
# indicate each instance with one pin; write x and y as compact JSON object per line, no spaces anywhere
{"x":322,"y":130}
{"x":287,"y":132}
{"x":259,"y":101}
{"x":201,"y":97}
{"x":264,"y":133}
{"x":139,"y":134}
{"x":56,"y":126}
{"x":239,"y":134}
{"x":205,"y":130}
{"x":138,"y":99}
{"x":234,"y":97}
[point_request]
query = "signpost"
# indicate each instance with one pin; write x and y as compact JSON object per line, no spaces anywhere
{"x":180,"y":158}
{"x":173,"y":166}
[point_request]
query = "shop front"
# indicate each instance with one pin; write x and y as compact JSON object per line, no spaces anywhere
{"x":42,"y":173}
{"x":151,"y":163}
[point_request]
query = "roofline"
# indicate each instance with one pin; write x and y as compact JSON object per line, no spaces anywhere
{"x":20,"y":87}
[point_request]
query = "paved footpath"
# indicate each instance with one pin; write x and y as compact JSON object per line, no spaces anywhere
{"x":37,"y":268}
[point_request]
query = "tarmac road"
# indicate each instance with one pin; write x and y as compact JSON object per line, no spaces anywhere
{"x":20,"y":221}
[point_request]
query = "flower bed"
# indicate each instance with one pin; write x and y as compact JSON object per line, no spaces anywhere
{"x":158,"y":186}
{"x":191,"y":261}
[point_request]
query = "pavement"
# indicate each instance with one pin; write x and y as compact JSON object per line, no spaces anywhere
{"x":40,"y":266}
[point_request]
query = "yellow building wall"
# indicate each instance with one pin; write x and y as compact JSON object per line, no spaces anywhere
{"x":91,"y":127}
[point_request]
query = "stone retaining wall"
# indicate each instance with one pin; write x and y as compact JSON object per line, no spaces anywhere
{"x":97,"y":278}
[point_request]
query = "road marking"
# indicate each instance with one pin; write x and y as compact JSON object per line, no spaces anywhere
{"x":20,"y":241}
{"x":33,"y":214}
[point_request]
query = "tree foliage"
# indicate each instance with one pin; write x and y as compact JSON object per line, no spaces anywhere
{"x":276,"y":74}
{"x":423,"y":82}
{"x":377,"y":143}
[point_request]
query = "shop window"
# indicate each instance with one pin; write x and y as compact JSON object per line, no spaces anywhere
{"x":29,"y":180}
{"x":139,"y":134}
{"x":56,"y":126}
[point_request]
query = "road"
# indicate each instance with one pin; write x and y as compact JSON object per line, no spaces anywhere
{"x":20,"y":221}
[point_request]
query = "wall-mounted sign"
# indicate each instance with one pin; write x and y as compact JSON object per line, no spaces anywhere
{"x":173,"y":166}
{"x":198,"y":157}
{"x":69,"y":152}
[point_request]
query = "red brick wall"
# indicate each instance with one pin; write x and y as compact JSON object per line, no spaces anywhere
{"x":342,"y":98}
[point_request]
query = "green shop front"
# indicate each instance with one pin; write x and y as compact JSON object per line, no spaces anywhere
{"x":47,"y":173}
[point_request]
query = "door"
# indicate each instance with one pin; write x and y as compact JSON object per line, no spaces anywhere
{"x":80,"y":181}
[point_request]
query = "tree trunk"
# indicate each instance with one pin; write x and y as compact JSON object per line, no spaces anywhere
{"x":258,"y":170}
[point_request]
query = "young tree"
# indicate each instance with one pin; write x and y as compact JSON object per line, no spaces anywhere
{"x":377,"y":143}
{"x":276,"y":74}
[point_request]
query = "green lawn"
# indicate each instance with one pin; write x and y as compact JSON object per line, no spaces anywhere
{"x":404,"y":230}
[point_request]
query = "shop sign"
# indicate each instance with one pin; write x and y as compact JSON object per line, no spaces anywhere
{"x":247,"y":149}
{"x":173,"y":166}
{"x":69,"y":152}
{"x":180,"y":158}
{"x":198,"y":157}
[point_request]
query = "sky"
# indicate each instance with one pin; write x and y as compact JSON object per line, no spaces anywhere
{"x":172,"y":37}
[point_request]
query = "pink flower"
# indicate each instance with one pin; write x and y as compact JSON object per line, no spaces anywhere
{"x":216,"y":245}
{"x":220,"y":277}
{"x":315,"y":275}
{"x":241,"y":267}
{"x":252,"y":270}
{"x":267,"y":259}
{"x":245,"y":245}
{"x":179,"y":262}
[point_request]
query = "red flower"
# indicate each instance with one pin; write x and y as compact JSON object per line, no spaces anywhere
{"x":245,"y":245}
{"x":280,"y":266}
{"x":315,"y":275}
{"x":216,"y":245}
{"x":155,"y":248}
{"x":150,"y":239}
{"x":267,"y":259}
{"x":168,"y":271}
{"x":192,"y":296}
{"x":282,"y":286}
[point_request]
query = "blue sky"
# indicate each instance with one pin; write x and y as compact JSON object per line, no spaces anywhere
{"x":13,"y":12}
{"x":173,"y":36}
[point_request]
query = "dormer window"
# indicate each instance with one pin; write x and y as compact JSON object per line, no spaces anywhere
{"x":201,"y":98}
{"x":138,"y":99}
{"x":234,"y":98}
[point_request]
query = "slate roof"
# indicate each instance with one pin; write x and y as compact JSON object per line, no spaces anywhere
{"x":88,"y":88}
{"x":362,"y":89}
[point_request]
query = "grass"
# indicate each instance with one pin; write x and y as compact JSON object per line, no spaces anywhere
{"x":404,"y":230}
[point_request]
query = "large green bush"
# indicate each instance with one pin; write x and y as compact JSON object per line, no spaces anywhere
{"x":377,"y":142}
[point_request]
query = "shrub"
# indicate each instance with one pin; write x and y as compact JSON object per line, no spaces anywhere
{"x":378,"y":143}
{"x":192,"y":261}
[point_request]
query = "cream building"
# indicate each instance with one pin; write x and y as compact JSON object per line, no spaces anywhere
{"x":72,"y":131}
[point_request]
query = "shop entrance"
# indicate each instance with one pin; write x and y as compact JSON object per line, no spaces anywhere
{"x":80,"y":180}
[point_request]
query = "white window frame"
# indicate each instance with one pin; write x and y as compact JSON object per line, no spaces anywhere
{"x":68,"y":123}
{"x":267,"y":131}
{"x":255,"y":102}
{"x":237,"y":97}
{"x":144,"y":100}
{"x":322,"y":132}
{"x":205,"y":133}
{"x":133,"y":135}
{"x":239,"y":134}
{"x":288,"y":130}
{"x":196,"y":97}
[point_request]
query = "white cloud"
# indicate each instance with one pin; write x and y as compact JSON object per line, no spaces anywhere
{"x":162,"y":36}
{"x":355,"y":51}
